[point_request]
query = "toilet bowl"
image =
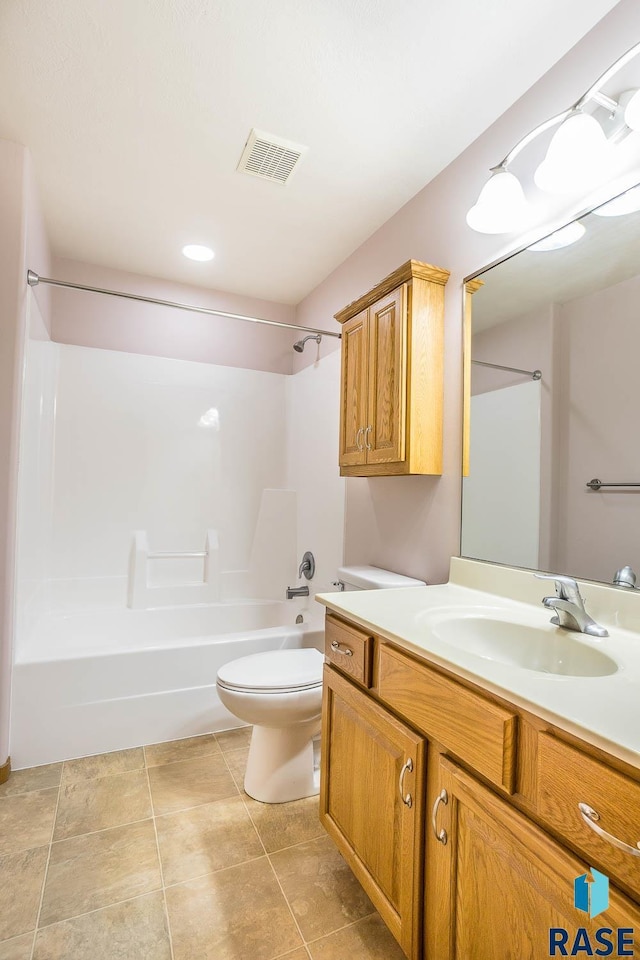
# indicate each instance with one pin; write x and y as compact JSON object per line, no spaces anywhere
{"x":280,"y":693}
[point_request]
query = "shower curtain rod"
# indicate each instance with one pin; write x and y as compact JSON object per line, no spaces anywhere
{"x":534,"y":374}
{"x":33,"y":279}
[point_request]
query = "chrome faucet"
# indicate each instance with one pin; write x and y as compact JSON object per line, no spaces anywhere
{"x":569,"y":607}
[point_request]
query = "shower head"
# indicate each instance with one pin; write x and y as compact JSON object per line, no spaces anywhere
{"x":299,"y":346}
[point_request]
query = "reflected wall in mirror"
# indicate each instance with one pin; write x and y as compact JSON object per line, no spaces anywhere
{"x":572,"y":313}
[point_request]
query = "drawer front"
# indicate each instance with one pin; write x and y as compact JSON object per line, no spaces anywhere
{"x":349,"y":649}
{"x":568,"y":777}
{"x":478,"y":731}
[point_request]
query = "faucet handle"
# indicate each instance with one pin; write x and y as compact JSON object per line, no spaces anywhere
{"x":566,"y":587}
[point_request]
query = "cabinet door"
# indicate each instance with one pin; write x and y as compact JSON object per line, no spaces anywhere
{"x":353,"y":401}
{"x":386,"y":422}
{"x":499,"y":884}
{"x":367,"y":758}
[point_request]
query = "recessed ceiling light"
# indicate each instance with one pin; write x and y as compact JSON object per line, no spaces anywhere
{"x":561,"y":238}
{"x":195,"y":251}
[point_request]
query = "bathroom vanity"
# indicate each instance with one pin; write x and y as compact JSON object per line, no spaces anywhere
{"x":477,"y":760}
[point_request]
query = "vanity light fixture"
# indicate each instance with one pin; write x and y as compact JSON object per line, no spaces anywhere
{"x":577,"y":156}
{"x":196,"y":251}
{"x":560,"y":238}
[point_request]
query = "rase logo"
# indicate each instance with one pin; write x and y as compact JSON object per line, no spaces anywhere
{"x":591,"y":895}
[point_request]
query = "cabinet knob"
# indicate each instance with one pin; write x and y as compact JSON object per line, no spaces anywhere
{"x":366,"y":434}
{"x":591,"y":816}
{"x":406,"y":799}
{"x":440,"y":835}
{"x":359,"y":445}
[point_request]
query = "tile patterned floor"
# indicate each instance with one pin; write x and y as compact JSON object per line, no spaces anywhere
{"x":156,"y":853}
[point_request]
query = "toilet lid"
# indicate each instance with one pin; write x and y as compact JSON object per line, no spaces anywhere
{"x":276,"y":670}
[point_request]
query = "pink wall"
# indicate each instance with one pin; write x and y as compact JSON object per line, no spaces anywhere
{"x":413,"y":524}
{"x":22,"y":237}
{"x":87,"y":319}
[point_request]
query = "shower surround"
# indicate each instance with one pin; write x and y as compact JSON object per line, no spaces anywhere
{"x":119,"y":449}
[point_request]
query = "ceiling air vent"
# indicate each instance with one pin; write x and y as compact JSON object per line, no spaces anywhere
{"x":269,"y":157}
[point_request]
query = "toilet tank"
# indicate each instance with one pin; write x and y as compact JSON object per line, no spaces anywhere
{"x":374,"y":578}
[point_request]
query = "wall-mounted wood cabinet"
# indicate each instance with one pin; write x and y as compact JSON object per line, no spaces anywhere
{"x":392,"y":375}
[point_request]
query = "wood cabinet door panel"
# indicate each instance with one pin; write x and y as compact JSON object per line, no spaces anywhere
{"x":499,"y":884}
{"x":386,"y":436}
{"x":364,"y":751}
{"x":353,"y":400}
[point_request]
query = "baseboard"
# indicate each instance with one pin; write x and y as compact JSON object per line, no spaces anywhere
{"x":5,"y":770}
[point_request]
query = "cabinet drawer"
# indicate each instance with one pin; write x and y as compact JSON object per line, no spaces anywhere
{"x":478,"y":731}
{"x":348,"y":649}
{"x":568,"y":777}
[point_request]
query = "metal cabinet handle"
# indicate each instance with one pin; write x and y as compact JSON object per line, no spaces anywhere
{"x":407,"y":800}
{"x":359,"y":445}
{"x":337,"y":648}
{"x":366,"y":434}
{"x":590,"y":816}
{"x":441,"y":835}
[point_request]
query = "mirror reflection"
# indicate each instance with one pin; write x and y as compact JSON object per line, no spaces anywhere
{"x":568,"y":307}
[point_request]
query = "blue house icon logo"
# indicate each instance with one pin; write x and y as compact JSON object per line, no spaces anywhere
{"x":591,"y":893}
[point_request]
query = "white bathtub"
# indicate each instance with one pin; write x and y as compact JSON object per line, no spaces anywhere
{"x":97,"y":680}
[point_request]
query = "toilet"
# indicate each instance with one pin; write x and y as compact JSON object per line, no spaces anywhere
{"x":280,"y":693}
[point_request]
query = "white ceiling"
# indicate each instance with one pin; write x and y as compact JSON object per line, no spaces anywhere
{"x":136,"y":113}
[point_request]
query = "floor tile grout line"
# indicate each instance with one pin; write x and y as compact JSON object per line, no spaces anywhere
{"x":206,"y":803}
{"x":23,"y":793}
{"x":103,"y":776}
{"x":155,"y":831}
{"x":286,"y":900}
{"x":241,"y":795}
{"x":91,"y":833}
{"x":195,"y":806}
{"x":172,"y":763}
{"x":346,"y":926}
{"x":211,"y":873}
{"x":106,"y":906}
{"x":46,"y":872}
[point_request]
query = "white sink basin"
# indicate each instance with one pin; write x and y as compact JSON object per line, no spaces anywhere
{"x":521,"y":645}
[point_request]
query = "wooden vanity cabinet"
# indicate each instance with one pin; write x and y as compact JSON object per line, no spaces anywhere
{"x":392,"y":375}
{"x":497,"y":883}
{"x":484,"y":860}
{"x":372,"y":802}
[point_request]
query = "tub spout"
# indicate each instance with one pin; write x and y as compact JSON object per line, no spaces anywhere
{"x":297,"y":592}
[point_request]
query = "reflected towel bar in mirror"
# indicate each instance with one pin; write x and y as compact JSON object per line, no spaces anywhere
{"x":597,"y":484}
{"x":534,"y":374}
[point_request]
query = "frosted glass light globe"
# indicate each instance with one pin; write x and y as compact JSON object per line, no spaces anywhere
{"x":632,"y":112}
{"x":577,"y":156}
{"x":501,"y":206}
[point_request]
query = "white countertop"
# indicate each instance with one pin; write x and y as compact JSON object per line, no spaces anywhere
{"x":603,"y":710}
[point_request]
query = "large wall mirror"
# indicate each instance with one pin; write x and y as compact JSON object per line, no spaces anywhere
{"x":567,"y":319}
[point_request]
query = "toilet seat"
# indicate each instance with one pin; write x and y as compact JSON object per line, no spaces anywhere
{"x":274,"y":672}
